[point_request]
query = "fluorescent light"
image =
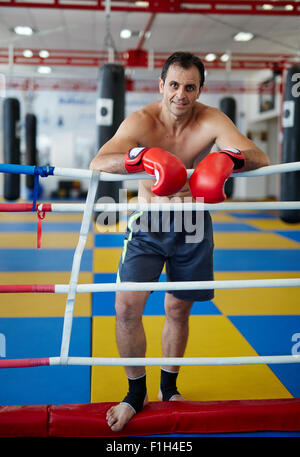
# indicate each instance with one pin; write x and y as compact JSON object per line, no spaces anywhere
{"x":210,"y":57}
{"x":224,"y":57}
{"x":44,"y":54}
{"x":23,"y":30}
{"x":141,"y":3}
{"x":289,"y":7}
{"x":44,"y":70}
{"x":267,"y":6}
{"x":243,"y":36}
{"x":27,"y":53}
{"x":125,"y":33}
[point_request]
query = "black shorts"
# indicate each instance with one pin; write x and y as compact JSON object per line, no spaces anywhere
{"x":181,"y":241}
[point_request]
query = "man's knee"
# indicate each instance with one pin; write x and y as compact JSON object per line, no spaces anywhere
{"x":177,"y":309}
{"x":129,"y":306}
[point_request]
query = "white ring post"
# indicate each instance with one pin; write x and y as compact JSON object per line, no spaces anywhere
{"x":85,"y":224}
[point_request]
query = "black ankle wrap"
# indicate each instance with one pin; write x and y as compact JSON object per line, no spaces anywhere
{"x":137,"y":393}
{"x":168,"y":384}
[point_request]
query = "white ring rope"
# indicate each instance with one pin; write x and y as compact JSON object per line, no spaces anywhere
{"x":175,"y":361}
{"x":123,"y":207}
{"x":103,"y":176}
{"x":180,"y":285}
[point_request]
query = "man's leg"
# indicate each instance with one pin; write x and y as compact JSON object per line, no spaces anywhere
{"x":174,"y":340}
{"x":131,"y":342}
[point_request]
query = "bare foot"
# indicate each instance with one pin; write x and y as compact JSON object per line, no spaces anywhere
{"x":173,"y":398}
{"x":118,"y":416}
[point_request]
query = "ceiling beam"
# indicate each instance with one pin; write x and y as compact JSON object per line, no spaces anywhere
{"x":241,"y":7}
{"x":91,"y":58}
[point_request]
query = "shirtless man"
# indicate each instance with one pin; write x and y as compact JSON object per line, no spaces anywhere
{"x":186,"y":131}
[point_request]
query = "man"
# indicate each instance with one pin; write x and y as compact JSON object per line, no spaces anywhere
{"x":164,"y":139}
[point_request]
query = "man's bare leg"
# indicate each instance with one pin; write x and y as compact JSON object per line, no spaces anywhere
{"x":174,"y":340}
{"x":131,"y":342}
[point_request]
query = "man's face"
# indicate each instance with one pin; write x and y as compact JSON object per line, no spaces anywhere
{"x":180,"y":89}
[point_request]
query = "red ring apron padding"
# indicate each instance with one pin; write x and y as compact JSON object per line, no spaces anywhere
{"x":88,"y":420}
{"x":24,"y":421}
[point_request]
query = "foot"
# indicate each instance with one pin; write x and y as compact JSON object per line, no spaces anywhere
{"x":173,"y":398}
{"x":118,"y":416}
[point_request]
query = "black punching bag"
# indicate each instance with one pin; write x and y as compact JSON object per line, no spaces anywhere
{"x":290,"y":182}
{"x":11,"y":146}
{"x":31,"y":151}
{"x":109,"y":115}
{"x":228,"y":107}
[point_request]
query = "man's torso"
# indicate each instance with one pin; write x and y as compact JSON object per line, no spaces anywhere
{"x":191,"y":144}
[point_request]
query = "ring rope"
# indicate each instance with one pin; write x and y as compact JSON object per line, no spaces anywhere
{"x":130,"y":206}
{"x":150,"y":286}
{"x":150,"y":361}
{"x":103,"y":176}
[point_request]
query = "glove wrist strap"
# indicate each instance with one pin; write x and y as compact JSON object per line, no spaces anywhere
{"x":236,"y":156}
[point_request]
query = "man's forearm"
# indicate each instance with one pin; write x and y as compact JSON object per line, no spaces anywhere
{"x":255,"y":159}
{"x":110,"y":163}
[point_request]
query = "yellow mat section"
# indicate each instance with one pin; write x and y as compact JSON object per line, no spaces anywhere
{"x":210,"y":336}
{"x":220,"y":216}
{"x":42,"y":305}
{"x":275,"y":300}
{"x":250,"y":240}
{"x":64,"y":240}
{"x":106,"y":260}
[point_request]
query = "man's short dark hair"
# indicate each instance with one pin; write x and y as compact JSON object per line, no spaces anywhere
{"x":185,"y":60}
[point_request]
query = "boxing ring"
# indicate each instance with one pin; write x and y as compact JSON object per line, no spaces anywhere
{"x":157,"y":417}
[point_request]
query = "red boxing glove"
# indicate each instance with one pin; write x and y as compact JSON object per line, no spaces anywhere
{"x":169,"y":171}
{"x":210,"y":175}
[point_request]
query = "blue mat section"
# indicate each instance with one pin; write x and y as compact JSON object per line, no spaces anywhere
{"x":43,"y":259}
{"x":41,"y":337}
{"x":46,"y":226}
{"x":274,"y":335}
{"x":256,"y":215}
{"x":291,"y":234}
{"x":105,"y":240}
{"x":256,"y":260}
{"x":103,"y":303}
{"x":233,"y":227}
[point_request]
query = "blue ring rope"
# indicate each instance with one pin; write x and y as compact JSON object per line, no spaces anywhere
{"x":29,"y":170}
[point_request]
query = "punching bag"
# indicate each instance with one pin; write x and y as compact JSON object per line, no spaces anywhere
{"x":110,"y":113}
{"x":11,"y":146}
{"x":228,"y":107}
{"x":290,"y":182}
{"x":30,"y":152}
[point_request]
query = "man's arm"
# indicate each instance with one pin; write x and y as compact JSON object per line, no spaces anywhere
{"x":124,"y":154}
{"x":237,"y":153}
{"x":111,"y":155}
{"x":228,"y":136}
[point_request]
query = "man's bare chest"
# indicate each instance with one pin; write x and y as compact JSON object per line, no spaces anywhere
{"x":187,"y":146}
